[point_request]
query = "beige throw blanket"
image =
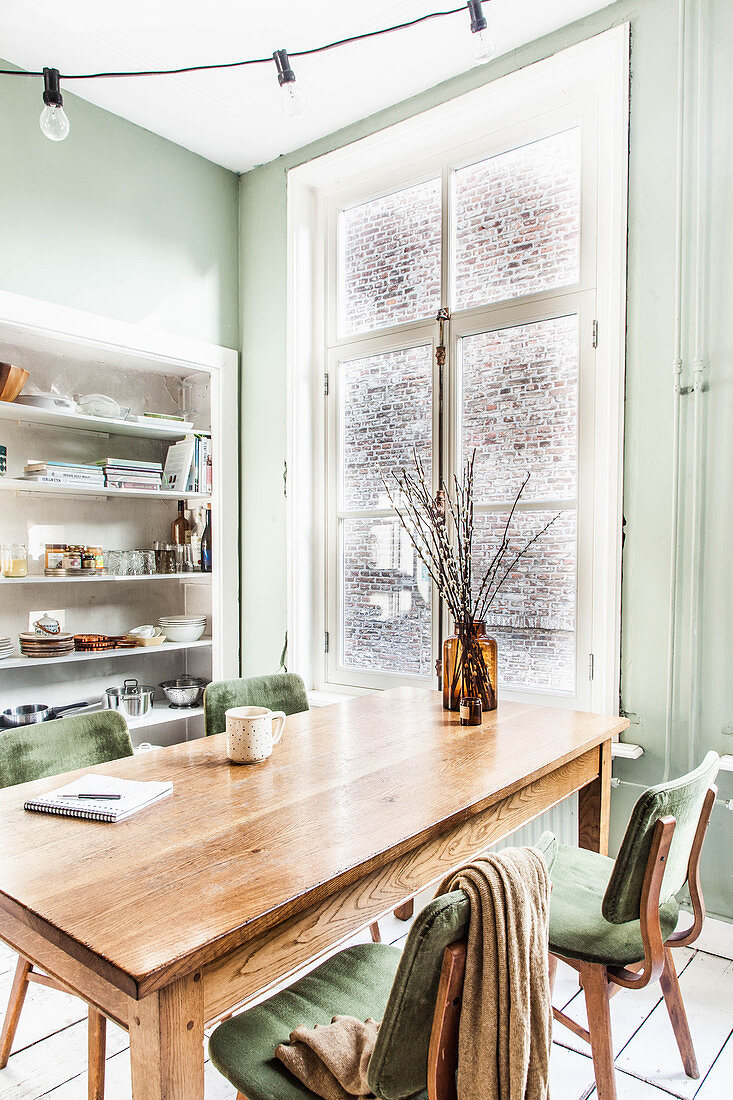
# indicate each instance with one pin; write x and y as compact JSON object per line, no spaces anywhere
{"x":332,"y":1060}
{"x":506,"y":1015}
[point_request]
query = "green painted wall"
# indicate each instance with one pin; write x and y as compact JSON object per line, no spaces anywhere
{"x":116,"y":220}
{"x":649,"y":400}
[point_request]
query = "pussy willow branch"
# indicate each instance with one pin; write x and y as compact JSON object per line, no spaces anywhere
{"x":495,"y":562}
{"x":490,"y":597}
{"x":449,"y":563}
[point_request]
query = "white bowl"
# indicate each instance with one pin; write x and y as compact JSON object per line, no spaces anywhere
{"x":180,"y":632}
{"x":184,"y":620}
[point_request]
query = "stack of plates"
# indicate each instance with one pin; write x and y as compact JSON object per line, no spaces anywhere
{"x":58,"y":645}
{"x":6,"y":647}
{"x":182,"y":628}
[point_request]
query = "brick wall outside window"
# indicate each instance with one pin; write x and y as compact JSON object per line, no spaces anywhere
{"x":517,"y":232}
{"x":391,"y":259}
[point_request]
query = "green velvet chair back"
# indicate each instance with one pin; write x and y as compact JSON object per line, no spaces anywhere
{"x":399,"y":1064}
{"x":282,"y":691}
{"x":681,"y":799}
{"x":62,"y":745}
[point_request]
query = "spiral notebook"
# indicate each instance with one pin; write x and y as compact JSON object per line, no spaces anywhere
{"x":69,"y":801}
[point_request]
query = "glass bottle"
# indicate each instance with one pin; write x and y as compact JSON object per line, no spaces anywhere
{"x":470,"y":667}
{"x":206,"y":543}
{"x":180,"y":527}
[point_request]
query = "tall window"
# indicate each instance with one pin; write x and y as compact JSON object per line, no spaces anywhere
{"x":507,"y":238}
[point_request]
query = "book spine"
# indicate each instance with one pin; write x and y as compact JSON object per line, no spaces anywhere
{"x":54,"y":480}
{"x":134,"y":485}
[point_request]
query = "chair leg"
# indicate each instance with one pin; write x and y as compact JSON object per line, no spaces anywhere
{"x":678,"y":1016}
{"x":406,"y":911}
{"x":14,"y":1009}
{"x":97,"y":1053}
{"x":595,"y":987}
{"x":375,"y":933}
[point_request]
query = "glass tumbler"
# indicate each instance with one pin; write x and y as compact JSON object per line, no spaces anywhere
{"x":148,"y":557}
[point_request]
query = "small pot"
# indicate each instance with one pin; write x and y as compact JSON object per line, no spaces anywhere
{"x":184,"y":691}
{"x":133,"y":699}
{"x":32,"y":713}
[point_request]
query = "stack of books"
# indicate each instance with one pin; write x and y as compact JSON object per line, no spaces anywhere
{"x":132,"y":473}
{"x":65,"y":473}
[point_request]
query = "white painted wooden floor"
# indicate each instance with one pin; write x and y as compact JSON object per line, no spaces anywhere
{"x":49,"y":1058}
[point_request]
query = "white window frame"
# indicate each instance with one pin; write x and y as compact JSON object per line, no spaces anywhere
{"x":590,"y":77}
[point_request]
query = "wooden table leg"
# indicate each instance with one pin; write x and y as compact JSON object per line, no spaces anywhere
{"x":594,"y":805}
{"x":167,"y":1042}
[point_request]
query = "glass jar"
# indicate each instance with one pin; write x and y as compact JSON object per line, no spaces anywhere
{"x":14,"y":557}
{"x":470,"y":666}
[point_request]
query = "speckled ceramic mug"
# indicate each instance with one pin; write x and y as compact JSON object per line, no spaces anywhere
{"x":252,"y":732}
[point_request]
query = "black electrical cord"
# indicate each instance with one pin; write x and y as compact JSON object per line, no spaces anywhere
{"x":251,"y":61}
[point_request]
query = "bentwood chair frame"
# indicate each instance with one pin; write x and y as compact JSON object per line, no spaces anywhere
{"x":443,"y":1049}
{"x":600,"y":982}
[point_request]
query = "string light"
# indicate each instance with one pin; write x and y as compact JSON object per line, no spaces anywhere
{"x":53,"y":120}
{"x":293,"y":103}
{"x":484,"y":45}
{"x":55,"y":124}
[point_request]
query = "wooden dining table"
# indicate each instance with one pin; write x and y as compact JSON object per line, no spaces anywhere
{"x":244,"y":874}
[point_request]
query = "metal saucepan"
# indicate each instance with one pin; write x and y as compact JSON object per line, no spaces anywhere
{"x":133,"y":699}
{"x":31,"y":713}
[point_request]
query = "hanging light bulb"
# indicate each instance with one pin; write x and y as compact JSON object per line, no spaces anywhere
{"x":53,"y":120}
{"x":293,"y":103}
{"x":484,"y":45}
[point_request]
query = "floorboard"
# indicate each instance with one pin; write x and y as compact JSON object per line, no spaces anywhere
{"x":49,"y":1060}
{"x":707,"y":990}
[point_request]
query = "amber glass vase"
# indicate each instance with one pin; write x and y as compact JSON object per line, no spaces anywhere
{"x":469,"y":666}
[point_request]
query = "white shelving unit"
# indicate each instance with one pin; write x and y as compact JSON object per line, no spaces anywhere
{"x":156,"y":578}
{"x":162,"y":714}
{"x":30,"y":414}
{"x":19,"y":485}
{"x":138,"y":653}
{"x":77,"y":353}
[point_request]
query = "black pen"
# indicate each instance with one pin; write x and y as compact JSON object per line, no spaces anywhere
{"x":102,"y":796}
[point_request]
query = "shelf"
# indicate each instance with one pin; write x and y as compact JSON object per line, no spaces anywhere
{"x":180,"y":578}
{"x":161,"y":714}
{"x":18,"y":485}
{"x":104,"y":655}
{"x":27,"y":414}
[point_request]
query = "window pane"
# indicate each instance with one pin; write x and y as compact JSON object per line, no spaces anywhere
{"x":390,"y":251}
{"x":518,"y":222}
{"x":520,"y":409}
{"x":386,"y":599}
{"x":386,"y":412}
{"x":533,"y":615}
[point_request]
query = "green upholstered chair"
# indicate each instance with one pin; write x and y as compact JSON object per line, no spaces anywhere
{"x":614,"y":921}
{"x":416,"y":994}
{"x":282,"y":691}
{"x":34,"y":752}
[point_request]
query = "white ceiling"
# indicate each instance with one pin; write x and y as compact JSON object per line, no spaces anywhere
{"x":234,"y":117}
